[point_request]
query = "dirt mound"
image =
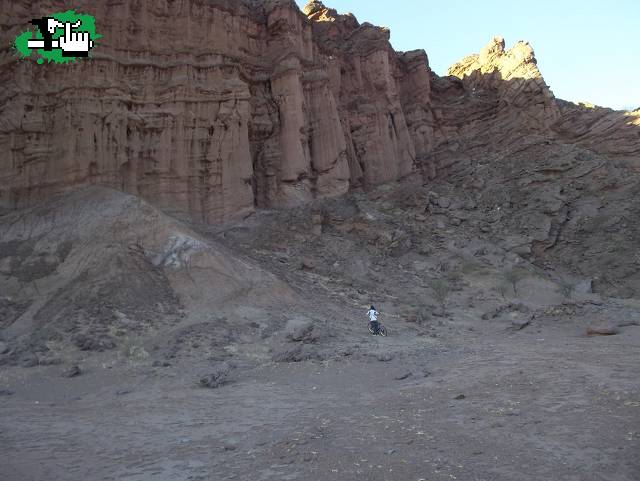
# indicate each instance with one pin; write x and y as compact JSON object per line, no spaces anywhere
{"x":96,"y":265}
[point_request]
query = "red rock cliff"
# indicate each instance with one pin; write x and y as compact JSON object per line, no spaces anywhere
{"x":211,"y":108}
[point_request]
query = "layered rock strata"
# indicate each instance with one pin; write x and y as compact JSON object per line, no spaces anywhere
{"x":205,"y":108}
{"x":212,"y":108}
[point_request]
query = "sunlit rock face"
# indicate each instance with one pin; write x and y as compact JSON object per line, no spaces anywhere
{"x":507,"y":88}
{"x":212,"y":108}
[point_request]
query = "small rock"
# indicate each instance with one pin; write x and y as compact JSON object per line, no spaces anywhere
{"x":73,"y":371}
{"x":385,"y":357}
{"x":307,"y":264}
{"x":90,"y":343}
{"x":460,"y":397}
{"x":159,"y":363}
{"x":305,"y":333}
{"x":444,"y":202}
{"x":6,"y":392}
{"x":216,"y":378}
{"x":123,"y":392}
{"x":4,"y":348}
{"x":297,"y":354}
{"x":520,"y":323}
{"x":403,"y":376}
{"x":603,"y":329}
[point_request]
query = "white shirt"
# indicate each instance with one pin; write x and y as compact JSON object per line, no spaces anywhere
{"x":373,"y":315}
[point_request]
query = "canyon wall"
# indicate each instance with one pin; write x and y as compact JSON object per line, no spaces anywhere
{"x":206,"y":108}
{"x":212,"y":108}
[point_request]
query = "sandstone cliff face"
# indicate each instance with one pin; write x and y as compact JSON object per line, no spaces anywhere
{"x":211,"y":108}
{"x":162,"y":111}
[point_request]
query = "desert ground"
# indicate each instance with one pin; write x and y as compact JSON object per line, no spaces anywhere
{"x":483,"y":380}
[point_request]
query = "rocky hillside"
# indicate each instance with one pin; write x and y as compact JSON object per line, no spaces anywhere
{"x":107,"y":267}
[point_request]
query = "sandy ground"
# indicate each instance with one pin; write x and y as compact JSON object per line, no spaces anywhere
{"x":495,"y":380}
{"x":545,"y":403}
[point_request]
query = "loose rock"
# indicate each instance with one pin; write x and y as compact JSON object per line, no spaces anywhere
{"x":298,"y":353}
{"x":73,"y":371}
{"x":385,"y":357}
{"x":305,"y":333}
{"x":217,"y":377}
{"x":603,"y":329}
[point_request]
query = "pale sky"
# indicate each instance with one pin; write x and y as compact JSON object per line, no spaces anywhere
{"x":587,"y":50}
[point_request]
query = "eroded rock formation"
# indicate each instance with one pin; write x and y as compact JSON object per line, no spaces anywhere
{"x":211,"y":108}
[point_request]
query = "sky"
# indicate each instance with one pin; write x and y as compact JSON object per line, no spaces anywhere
{"x":587,"y":50}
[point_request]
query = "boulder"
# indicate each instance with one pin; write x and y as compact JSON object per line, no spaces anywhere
{"x":88,"y":342}
{"x":298,"y":353}
{"x":306,"y":333}
{"x":307,"y":264}
{"x":217,"y":377}
{"x":603,"y":328}
{"x":519,"y":322}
